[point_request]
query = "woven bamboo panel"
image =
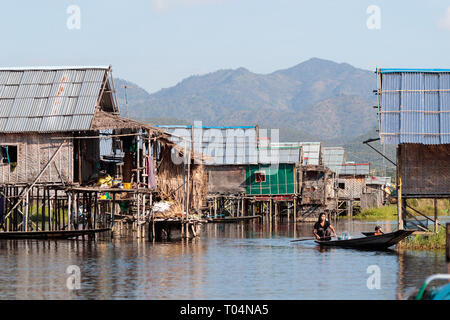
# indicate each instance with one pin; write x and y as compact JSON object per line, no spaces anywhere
{"x":425,"y":169}
{"x":228,"y":179}
{"x":354,"y":187}
{"x":34,"y":151}
{"x":372,"y":200}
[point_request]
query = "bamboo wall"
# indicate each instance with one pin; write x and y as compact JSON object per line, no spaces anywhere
{"x":425,"y":170}
{"x":33,"y":153}
{"x":318,"y":185}
{"x":226,"y":179}
{"x":354,"y":186}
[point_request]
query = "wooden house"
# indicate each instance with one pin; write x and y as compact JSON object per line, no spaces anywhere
{"x":53,"y":121}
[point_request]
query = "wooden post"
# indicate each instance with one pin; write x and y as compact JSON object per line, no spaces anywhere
{"x":295,"y":209}
{"x":436,"y":226}
{"x":49,"y":209}
{"x":95,"y":209}
{"x":138,"y":225}
{"x":270,"y":210}
{"x":79,"y":162}
{"x":25,"y":214}
{"x":69,"y":211}
{"x":277,"y":204}
{"x":243,"y":207}
{"x":350,"y":208}
{"x":447,"y":228}
{"x":399,"y":189}
{"x":75,"y":202}
{"x":113,"y":211}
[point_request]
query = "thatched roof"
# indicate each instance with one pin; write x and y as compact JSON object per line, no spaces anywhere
{"x":104,"y":120}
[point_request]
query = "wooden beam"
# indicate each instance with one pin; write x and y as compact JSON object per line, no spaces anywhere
{"x":27,"y":189}
{"x":399,"y":189}
{"x":436,"y":227}
{"x":447,"y":228}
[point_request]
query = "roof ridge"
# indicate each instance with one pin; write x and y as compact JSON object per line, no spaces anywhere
{"x":35,"y":68}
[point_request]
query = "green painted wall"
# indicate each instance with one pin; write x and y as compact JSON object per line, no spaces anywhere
{"x":280,"y":181}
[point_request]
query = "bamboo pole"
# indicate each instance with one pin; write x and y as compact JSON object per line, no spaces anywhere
{"x":436,"y":226}
{"x":295,"y":209}
{"x":69,"y":211}
{"x":270,"y":210}
{"x":399,"y":190}
{"x":447,"y":229}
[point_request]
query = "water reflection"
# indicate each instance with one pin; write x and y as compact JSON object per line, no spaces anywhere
{"x":229,"y":261}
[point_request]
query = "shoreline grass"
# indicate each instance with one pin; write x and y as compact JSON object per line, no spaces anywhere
{"x":382,"y":213}
{"x":389,"y":212}
{"x":432,"y":241}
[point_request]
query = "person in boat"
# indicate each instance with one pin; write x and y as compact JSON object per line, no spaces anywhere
{"x":323,"y":228}
{"x":378,"y":231}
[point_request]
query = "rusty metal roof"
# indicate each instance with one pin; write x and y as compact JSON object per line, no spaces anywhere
{"x":51,"y":99}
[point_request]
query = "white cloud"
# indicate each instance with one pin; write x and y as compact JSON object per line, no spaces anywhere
{"x":444,"y":22}
{"x":165,"y":5}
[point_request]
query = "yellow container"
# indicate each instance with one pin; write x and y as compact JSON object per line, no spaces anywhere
{"x":127,"y":185}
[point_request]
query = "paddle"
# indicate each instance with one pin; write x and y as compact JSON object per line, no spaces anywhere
{"x":302,"y":239}
{"x":324,"y":238}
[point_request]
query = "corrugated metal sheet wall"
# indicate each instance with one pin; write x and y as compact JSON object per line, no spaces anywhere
{"x":415,"y":107}
{"x":279,"y":180}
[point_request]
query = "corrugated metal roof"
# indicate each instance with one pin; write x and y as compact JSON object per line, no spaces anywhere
{"x":49,"y":99}
{"x":333,"y":158}
{"x":311,"y":152}
{"x":52,"y":68}
{"x":232,"y":145}
{"x":378,"y":180}
{"x":283,"y":152}
{"x":355,"y":169}
{"x":224,"y":145}
{"x":394,"y":70}
{"x":415,"y":106}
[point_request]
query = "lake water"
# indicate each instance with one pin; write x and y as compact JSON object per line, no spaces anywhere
{"x":228,"y":261}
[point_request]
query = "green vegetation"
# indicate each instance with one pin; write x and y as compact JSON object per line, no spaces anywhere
{"x":37,"y":217}
{"x":426,"y":206}
{"x":382,"y":213}
{"x":432,"y":241}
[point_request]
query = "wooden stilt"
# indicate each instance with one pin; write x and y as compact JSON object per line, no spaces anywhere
{"x":295,"y":208}
{"x":399,"y":190}
{"x":436,"y":226}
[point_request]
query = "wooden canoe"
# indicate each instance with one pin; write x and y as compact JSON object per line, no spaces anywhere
{"x":383,"y":241}
{"x":63,"y":234}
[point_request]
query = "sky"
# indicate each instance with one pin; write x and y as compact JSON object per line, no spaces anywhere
{"x":157,"y":43}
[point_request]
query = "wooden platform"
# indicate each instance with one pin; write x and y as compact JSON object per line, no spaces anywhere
{"x":63,"y":234}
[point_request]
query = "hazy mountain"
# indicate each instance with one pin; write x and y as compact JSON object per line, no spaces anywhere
{"x":316,"y":98}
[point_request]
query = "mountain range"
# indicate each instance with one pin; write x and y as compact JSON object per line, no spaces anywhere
{"x":316,"y":100}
